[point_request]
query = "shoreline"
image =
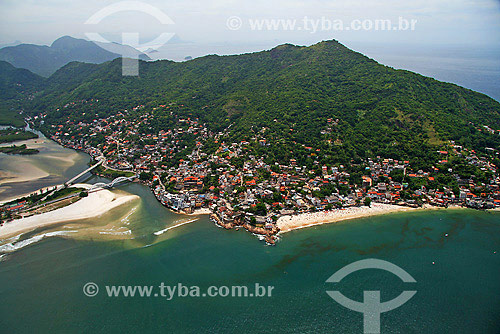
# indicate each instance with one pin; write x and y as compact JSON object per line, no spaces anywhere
{"x":310,"y":219}
{"x":284,"y":224}
{"x":198,"y":212}
{"x":294,"y":222}
{"x":18,"y":197}
{"x":95,"y":205}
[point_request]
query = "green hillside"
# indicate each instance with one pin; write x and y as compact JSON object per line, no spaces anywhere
{"x":16,"y":87}
{"x":324,"y":96}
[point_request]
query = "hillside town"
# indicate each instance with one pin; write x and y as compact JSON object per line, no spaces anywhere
{"x":191,"y":169}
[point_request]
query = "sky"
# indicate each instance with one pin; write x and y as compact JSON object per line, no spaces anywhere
{"x":456,"y":22}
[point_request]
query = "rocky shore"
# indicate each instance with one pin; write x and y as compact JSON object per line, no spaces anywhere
{"x":270,"y":235}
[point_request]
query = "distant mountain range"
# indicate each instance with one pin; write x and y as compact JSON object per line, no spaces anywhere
{"x":45,"y":60}
{"x":17,"y":42}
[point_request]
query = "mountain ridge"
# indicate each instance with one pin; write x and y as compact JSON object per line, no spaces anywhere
{"x":293,"y":91}
{"x":45,"y":60}
{"x":380,"y":110}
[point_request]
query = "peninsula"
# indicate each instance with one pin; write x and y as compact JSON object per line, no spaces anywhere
{"x":96,"y":203}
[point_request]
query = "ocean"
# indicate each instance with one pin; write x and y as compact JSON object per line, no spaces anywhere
{"x":452,"y":255}
{"x":476,"y":67}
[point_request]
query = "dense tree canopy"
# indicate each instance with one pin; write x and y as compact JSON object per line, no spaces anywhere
{"x":322,"y":104}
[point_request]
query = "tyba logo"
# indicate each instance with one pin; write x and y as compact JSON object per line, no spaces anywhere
{"x":371,"y":307}
{"x":130,"y":67}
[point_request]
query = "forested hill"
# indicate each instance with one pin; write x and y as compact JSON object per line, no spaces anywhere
{"x":324,"y":96}
{"x":16,"y":86}
{"x":15,"y":81}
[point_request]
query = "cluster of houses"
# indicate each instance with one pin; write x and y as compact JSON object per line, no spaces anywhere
{"x":238,"y":186}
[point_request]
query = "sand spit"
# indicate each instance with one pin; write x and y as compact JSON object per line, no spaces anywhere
{"x":96,"y":204}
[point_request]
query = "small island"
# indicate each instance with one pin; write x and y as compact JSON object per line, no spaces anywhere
{"x":21,"y":149}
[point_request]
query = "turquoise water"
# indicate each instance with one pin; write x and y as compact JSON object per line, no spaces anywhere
{"x":41,"y":285}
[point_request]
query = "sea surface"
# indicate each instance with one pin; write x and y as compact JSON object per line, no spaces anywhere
{"x":476,"y":67}
{"x":452,"y":254}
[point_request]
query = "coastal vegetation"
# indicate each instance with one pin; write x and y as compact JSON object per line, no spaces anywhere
{"x":10,"y":117}
{"x":62,"y":193}
{"x":12,"y":135}
{"x":40,"y":202}
{"x":110,"y":173}
{"x":21,"y":149}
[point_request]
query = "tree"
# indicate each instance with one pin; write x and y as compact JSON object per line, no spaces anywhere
{"x":260,"y":209}
{"x":253,"y":221}
{"x":144,"y":176}
{"x":367,"y":201}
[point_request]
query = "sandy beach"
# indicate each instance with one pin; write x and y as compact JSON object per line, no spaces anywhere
{"x":303,"y":220}
{"x":29,"y":173}
{"x":96,"y":204}
{"x":201,"y":211}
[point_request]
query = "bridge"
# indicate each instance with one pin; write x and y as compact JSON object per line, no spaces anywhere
{"x":112,"y":183}
{"x":93,"y":187}
{"x":70,"y":182}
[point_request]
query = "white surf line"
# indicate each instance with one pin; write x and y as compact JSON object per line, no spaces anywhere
{"x":111,"y":232}
{"x":13,"y":246}
{"x":175,"y":226}
{"x":125,"y":220}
